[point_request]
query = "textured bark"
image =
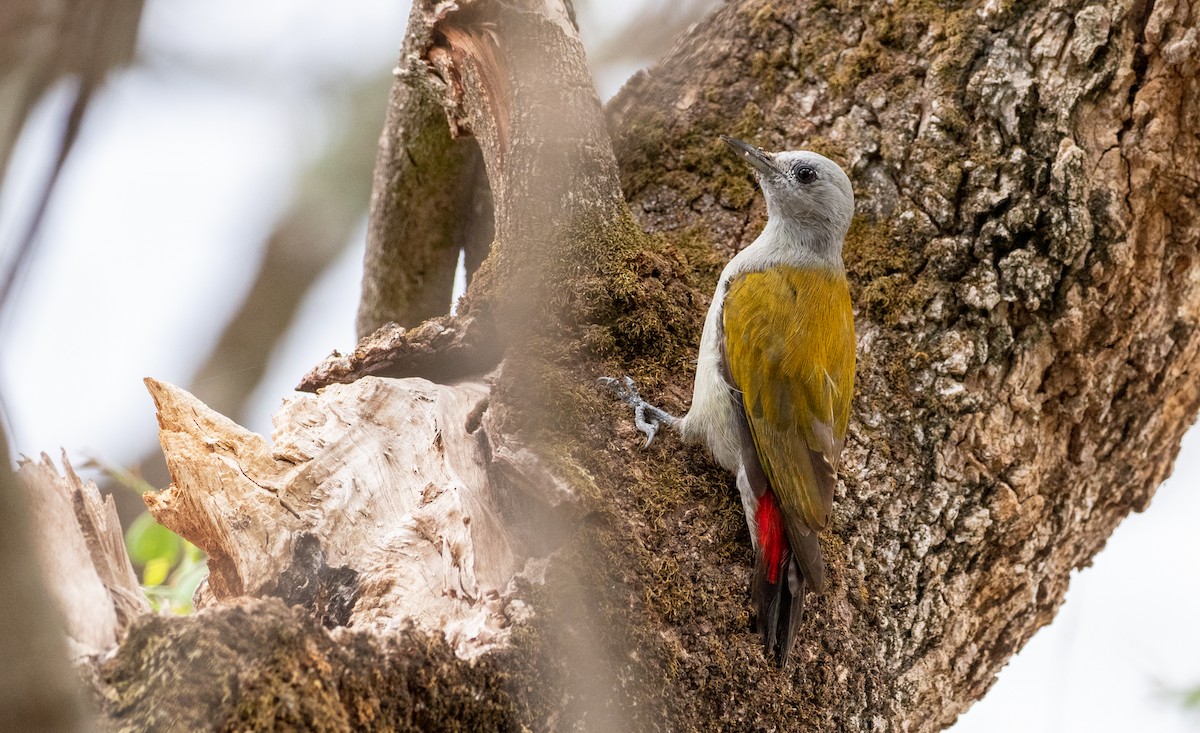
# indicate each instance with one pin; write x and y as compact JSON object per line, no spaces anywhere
{"x":443,"y":348}
{"x":426,"y":203}
{"x":1026,"y":281}
{"x":1025,"y":270}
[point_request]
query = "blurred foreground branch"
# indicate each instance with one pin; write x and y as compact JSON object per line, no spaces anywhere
{"x":43,"y":44}
{"x":317,"y":226}
{"x":38,"y":689}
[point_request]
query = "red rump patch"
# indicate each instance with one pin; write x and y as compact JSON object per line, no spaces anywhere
{"x":771,"y":536}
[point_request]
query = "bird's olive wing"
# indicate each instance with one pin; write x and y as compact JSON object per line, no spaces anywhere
{"x":789,"y":343}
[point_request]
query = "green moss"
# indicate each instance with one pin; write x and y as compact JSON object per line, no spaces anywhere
{"x":907,"y":22}
{"x":956,"y":49}
{"x":640,"y":147}
{"x":871,"y":251}
{"x":586,"y":657}
{"x":258,"y":665}
{"x":762,"y":19}
{"x":634,"y":297}
{"x":888,"y":299}
{"x":882,"y":264}
{"x":762,"y":66}
{"x":691,"y":163}
{"x":855,"y":65}
{"x":834,"y":150}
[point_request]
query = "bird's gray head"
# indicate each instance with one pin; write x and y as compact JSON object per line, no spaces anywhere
{"x":802,"y":188}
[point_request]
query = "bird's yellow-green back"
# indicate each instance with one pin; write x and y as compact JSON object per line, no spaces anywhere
{"x":790,"y":349}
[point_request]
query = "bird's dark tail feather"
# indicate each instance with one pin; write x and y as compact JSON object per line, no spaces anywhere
{"x":779,"y":607}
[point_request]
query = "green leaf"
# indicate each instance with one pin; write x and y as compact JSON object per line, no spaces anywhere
{"x":148,"y":540}
{"x":155,"y":571}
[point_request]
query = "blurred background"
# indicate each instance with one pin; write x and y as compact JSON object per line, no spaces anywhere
{"x":207,"y":229}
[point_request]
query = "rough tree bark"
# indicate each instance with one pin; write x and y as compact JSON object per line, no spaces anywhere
{"x":1025,"y":272}
{"x":425,"y":204}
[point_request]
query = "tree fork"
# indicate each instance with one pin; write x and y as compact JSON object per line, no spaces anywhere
{"x":1025,"y":272}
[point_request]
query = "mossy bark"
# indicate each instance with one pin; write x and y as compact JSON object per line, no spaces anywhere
{"x":426,"y":205}
{"x":1024,"y":265}
{"x":1025,"y":274}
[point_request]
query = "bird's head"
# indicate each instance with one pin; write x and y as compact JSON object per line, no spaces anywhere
{"x":802,"y":189}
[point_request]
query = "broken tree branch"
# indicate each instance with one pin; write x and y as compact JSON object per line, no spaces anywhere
{"x":372,"y":507}
{"x":83,"y":556}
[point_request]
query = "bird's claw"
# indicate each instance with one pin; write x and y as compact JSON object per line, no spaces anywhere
{"x":649,"y":428}
{"x":625,"y":390}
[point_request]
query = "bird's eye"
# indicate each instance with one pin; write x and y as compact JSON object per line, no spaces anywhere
{"x":804,"y":174}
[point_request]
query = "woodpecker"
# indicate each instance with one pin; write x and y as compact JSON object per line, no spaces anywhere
{"x":774,"y":378}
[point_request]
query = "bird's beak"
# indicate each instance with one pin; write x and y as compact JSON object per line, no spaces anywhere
{"x":760,"y":160}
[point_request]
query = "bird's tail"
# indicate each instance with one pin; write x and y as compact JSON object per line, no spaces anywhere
{"x":779,"y":607}
{"x":779,"y":584}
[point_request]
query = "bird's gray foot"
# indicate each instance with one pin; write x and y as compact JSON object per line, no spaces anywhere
{"x":646,"y":416}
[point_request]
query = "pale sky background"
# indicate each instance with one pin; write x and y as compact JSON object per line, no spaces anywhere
{"x":139,"y":268}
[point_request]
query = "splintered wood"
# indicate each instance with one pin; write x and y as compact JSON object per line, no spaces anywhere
{"x":82,"y":555}
{"x":372,"y":508}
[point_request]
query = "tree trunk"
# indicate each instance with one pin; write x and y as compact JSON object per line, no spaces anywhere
{"x":1025,"y":274}
{"x":1024,"y":263}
